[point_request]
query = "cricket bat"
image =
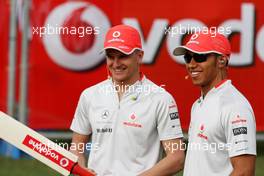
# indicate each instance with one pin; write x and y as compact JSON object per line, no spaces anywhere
{"x":39,"y":147}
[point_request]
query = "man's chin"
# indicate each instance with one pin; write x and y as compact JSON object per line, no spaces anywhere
{"x":119,"y":79}
{"x":196,"y":82}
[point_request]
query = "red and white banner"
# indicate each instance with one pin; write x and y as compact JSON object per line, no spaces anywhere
{"x":62,"y":65}
{"x":4,"y":32}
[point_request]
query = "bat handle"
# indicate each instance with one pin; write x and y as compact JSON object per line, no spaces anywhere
{"x":78,"y":170}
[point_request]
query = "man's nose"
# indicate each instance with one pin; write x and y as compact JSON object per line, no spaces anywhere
{"x":192,"y":63}
{"x":116,"y":61}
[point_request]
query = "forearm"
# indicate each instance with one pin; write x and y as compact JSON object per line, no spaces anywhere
{"x":165,"y":167}
{"x":243,"y":165}
{"x":81,"y":157}
{"x":242,"y":172}
{"x":78,"y":147}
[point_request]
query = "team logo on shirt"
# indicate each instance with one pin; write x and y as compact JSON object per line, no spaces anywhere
{"x":132,"y":121}
{"x":104,"y":117}
{"x":105,"y":114}
{"x":133,"y":116}
{"x":201,"y":133}
{"x":238,"y":120}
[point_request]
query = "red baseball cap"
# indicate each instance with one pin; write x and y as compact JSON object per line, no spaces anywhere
{"x":202,"y":43}
{"x":123,"y":38}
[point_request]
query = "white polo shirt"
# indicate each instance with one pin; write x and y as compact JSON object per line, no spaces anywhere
{"x":222,"y":126}
{"x":126,"y":134}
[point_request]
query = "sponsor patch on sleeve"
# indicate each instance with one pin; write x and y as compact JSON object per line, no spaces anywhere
{"x":239,"y":131}
{"x":174,"y":115}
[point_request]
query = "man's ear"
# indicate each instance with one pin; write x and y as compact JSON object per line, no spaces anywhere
{"x":222,"y":61}
{"x":140,"y":56}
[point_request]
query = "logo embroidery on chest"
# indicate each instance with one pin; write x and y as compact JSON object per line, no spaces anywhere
{"x":132,"y":121}
{"x":201,"y":133}
{"x":133,"y":117}
{"x":104,"y":117}
{"x":105,"y":114}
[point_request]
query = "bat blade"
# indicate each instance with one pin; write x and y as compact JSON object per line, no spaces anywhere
{"x":39,"y":147}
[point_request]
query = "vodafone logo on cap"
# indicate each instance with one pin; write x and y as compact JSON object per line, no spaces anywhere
{"x":116,"y":34}
{"x":79,"y":55}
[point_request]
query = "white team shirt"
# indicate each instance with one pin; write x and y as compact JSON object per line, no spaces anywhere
{"x":222,"y":126}
{"x":126,"y":134}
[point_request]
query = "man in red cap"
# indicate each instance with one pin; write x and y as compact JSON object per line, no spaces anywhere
{"x":128,"y":118}
{"x":222,"y":132}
